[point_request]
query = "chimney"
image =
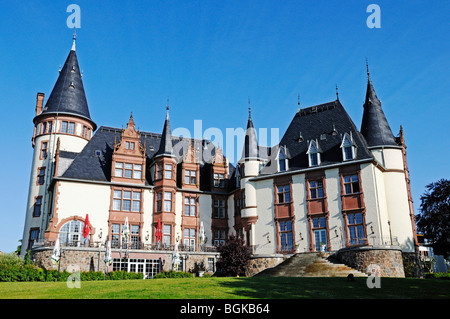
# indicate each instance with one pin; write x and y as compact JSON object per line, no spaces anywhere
{"x":39,"y":103}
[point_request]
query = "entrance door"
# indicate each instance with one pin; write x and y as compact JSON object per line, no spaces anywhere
{"x":320,"y":237}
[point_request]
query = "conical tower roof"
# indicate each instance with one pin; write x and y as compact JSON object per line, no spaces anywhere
{"x":251,"y":148}
{"x":165,"y":146}
{"x":375,"y":127}
{"x":68,"y":96}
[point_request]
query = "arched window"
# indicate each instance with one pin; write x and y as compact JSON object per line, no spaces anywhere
{"x":71,"y":234}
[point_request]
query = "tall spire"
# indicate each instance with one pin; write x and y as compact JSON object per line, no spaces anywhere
{"x":251,"y":148}
{"x":165,"y":146}
{"x":68,"y":95}
{"x":74,"y":39}
{"x":375,"y":127}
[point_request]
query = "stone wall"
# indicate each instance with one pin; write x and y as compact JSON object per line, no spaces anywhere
{"x":260,"y":263}
{"x":92,"y":259}
{"x":387,"y":259}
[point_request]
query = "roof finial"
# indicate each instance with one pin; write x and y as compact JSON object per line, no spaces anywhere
{"x":249,"y":109}
{"x":74,"y":38}
{"x":167,"y":108}
{"x":367,"y":67}
{"x":298,"y":103}
{"x":337,"y":93}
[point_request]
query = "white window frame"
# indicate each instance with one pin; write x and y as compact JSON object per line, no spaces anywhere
{"x":347,"y":141}
{"x":313,"y":149}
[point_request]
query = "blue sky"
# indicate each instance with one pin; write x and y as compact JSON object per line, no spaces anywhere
{"x":209,"y":57}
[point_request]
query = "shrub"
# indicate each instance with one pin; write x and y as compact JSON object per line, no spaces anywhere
{"x":438,"y":275}
{"x":234,"y":257}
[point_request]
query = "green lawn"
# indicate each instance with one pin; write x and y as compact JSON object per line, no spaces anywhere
{"x":230,"y":288}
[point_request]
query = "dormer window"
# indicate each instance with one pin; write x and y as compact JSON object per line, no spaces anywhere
{"x":282,"y":160}
{"x":348,"y":148}
{"x":313,"y":154}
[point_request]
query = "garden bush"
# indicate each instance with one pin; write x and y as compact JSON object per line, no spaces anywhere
{"x":14,"y":268}
{"x":438,"y":275}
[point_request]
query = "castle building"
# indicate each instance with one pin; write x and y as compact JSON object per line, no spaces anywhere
{"x":325,"y":186}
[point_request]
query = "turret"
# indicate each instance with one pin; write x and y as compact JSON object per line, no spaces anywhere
{"x":64,"y":123}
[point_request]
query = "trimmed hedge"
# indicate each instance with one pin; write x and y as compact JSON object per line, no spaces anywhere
{"x":32,"y":273}
{"x":438,"y":275}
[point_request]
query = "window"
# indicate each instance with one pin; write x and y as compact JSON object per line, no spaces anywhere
{"x":284,"y":194}
{"x":71,"y":129}
{"x":119,"y":170}
{"x":319,"y":225}
{"x":190,"y":177}
{"x":219,"y":180}
{"x":158,"y":202}
{"x":128,"y":170}
{"x":129,"y":145}
{"x":313,"y":154}
{"x":160,"y":171}
{"x":167,"y":201}
{"x":189,"y":237}
{"x":127,"y":201}
{"x":282,"y":161}
{"x":134,"y":236}
{"x":44,"y":127}
{"x":286,"y":236}
{"x":211,"y":265}
{"x":351,"y":184}
{"x":64,"y":125}
{"x":348,"y":148}
{"x":189,"y":206}
{"x":137,"y":172}
{"x":167,"y":234}
{"x":115,"y":235}
{"x":50,"y":127}
{"x":34,"y":234}
{"x":41,"y":176}
{"x":356,"y":229}
{"x":219,"y":208}
{"x":37,"y":206}
{"x":316,"y":189}
{"x":219,"y":237}
{"x":313,"y":159}
{"x":44,"y":149}
{"x":168,"y":171}
{"x":84,"y":131}
{"x":71,"y":234}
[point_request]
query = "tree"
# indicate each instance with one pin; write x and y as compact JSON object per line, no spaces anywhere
{"x":234,"y":256}
{"x":434,"y":218}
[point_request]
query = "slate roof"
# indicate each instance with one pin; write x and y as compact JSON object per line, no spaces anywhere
{"x":374,"y":126}
{"x":251,"y":148}
{"x":93,"y":163}
{"x":318,"y":123}
{"x":68,"y":96}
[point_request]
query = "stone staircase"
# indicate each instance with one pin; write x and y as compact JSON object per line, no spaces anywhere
{"x":311,"y":265}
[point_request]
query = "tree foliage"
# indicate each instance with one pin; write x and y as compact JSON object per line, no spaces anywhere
{"x":434,"y":218}
{"x":234,"y":257}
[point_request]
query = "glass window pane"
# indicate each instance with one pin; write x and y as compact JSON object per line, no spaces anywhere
{"x":127,"y":195}
{"x":136,"y":206}
{"x":167,"y":195}
{"x":126,"y":205}
{"x":116,"y":204}
{"x":119,"y":165}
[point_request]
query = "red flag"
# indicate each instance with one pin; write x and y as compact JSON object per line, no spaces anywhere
{"x":158,"y":231}
{"x":86,"y":227}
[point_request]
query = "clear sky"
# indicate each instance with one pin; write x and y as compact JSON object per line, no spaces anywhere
{"x":210,"y":56}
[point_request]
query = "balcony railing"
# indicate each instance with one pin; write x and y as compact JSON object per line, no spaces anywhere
{"x":129,"y":246}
